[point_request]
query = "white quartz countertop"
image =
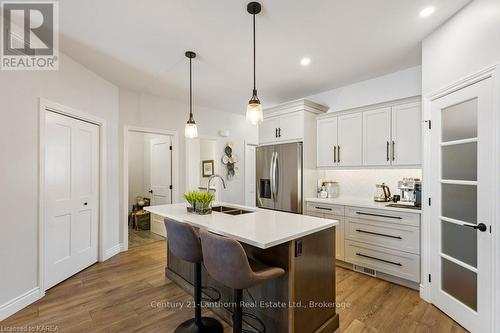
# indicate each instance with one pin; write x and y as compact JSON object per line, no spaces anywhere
{"x":364,"y":203}
{"x":262,"y":228}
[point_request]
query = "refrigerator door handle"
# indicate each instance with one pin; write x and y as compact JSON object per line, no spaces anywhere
{"x":276,"y":176}
{"x":271,"y":175}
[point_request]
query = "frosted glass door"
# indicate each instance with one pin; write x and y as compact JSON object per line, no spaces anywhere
{"x":461,"y":167}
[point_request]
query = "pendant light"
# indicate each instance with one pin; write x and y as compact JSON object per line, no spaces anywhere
{"x":254,"y":109}
{"x":190,"y":131}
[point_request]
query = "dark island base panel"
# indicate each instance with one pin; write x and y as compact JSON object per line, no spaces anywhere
{"x":310,"y":277}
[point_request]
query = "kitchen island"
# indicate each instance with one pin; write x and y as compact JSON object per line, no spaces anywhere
{"x":302,"y":300}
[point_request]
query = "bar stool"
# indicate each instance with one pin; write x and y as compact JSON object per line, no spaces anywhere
{"x":184,"y":243}
{"x":226,"y":261}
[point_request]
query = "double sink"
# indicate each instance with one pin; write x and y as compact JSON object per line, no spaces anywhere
{"x":230,"y":210}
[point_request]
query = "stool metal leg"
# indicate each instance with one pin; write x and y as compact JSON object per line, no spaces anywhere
{"x":197,"y":293}
{"x":199,"y":324}
{"x":238,"y":311}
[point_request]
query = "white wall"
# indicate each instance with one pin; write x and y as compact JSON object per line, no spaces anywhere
{"x":360,"y":184}
{"x":467,"y":43}
{"x":393,"y":86}
{"x":74,"y":86}
{"x":198,"y":150}
{"x":160,"y":113}
{"x":136,"y":166}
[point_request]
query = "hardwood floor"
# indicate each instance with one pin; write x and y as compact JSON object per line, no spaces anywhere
{"x":141,"y":237}
{"x":122,"y":294}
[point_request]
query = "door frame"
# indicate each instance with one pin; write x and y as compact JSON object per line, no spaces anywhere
{"x":252,"y":144}
{"x":46,"y":105}
{"x":492,"y":72}
{"x":175,"y":172}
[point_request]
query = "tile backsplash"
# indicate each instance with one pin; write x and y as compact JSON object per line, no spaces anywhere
{"x":361,"y":183}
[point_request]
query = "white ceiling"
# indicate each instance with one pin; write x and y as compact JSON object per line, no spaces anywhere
{"x":140,"y":45}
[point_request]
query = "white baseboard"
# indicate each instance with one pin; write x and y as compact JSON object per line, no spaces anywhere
{"x":10,"y":307}
{"x":123,"y":247}
{"x":424,"y":293}
{"x":111,"y":252}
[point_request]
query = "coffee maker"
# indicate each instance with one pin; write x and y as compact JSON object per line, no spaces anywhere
{"x":411,"y":192}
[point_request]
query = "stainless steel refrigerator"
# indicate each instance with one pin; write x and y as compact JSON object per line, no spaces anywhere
{"x":279,"y":177}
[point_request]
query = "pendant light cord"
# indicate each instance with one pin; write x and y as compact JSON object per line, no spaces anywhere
{"x":190,"y":92}
{"x":254,"y":53}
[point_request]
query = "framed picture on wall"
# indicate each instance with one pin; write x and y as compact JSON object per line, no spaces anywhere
{"x":207,"y":168}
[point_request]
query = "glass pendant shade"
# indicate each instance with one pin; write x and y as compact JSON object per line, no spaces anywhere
{"x":191,"y":131}
{"x":254,"y":113}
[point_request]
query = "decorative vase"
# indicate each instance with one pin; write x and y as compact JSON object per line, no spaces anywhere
{"x":200,"y":209}
{"x":203,"y":210}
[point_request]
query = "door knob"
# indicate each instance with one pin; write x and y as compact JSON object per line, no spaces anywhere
{"x":481,"y":227}
{"x":85,"y":204}
{"x":150,"y":191}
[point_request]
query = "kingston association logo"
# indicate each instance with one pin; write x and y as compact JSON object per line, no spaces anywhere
{"x":29,"y":35}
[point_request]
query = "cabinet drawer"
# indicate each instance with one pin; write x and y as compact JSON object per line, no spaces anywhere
{"x":314,"y":213}
{"x":325,"y":208}
{"x":395,"y":236}
{"x":397,"y":263}
{"x":384,"y":215}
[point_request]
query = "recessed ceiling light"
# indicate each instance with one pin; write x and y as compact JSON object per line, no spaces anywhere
{"x":427,"y":11}
{"x":305,"y":61}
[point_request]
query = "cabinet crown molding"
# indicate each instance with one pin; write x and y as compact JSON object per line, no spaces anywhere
{"x":294,"y":106}
{"x":392,"y":103}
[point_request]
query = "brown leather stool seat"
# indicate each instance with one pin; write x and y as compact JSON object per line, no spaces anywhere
{"x":226,"y":261}
{"x":184,"y":243}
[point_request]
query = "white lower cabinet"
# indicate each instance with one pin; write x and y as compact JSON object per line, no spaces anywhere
{"x":391,"y":235}
{"x":397,"y":263}
{"x":157,"y":225}
{"x":383,"y":240}
{"x":334,"y":212}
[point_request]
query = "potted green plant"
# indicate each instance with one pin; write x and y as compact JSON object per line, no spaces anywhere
{"x":191,"y":199}
{"x":200,"y":202}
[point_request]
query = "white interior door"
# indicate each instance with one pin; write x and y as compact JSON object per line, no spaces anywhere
{"x":350,"y":140}
{"x":161,"y":179}
{"x":377,"y":137}
{"x":462,"y":208}
{"x":71,"y":196}
{"x":250,"y":186}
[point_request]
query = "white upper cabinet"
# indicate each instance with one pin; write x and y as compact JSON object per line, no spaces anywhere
{"x":406,"y":134}
{"x":327,"y":142}
{"x":288,"y":122}
{"x":287,"y":127}
{"x":377,"y":137}
{"x":350,"y":140}
{"x":389,"y":135}
{"x":268,"y":130}
{"x":291,"y":127}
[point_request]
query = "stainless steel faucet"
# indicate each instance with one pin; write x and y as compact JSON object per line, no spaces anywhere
{"x":210,"y":180}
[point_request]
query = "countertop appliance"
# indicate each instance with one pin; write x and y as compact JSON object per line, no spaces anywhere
{"x":382,"y":193}
{"x":411,"y":192}
{"x":279,"y":177}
